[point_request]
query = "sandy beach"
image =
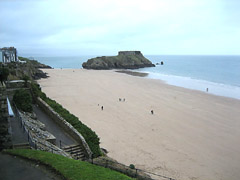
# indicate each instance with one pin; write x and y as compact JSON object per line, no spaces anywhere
{"x":192,"y":135}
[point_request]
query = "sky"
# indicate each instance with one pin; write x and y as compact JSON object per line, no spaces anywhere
{"x":94,"y":27}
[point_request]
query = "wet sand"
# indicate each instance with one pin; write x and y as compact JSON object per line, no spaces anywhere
{"x":191,"y":135}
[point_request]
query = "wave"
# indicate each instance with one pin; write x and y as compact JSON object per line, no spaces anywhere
{"x":198,"y":84}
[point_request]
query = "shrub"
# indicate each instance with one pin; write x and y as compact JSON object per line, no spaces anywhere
{"x":4,"y":72}
{"x":23,"y":100}
{"x":132,"y":166}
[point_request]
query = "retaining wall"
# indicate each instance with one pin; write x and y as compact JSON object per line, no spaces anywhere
{"x":66,"y":126}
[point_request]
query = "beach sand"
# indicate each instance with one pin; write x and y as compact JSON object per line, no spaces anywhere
{"x":192,"y":135}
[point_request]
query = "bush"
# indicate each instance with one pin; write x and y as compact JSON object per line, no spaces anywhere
{"x":89,"y":135}
{"x":23,"y":100}
{"x":4,"y":72}
{"x":132,"y":166}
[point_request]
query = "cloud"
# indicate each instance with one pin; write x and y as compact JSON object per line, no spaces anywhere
{"x":154,"y":26}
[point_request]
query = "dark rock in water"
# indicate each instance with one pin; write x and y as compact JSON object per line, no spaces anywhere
{"x":124,"y":60}
{"x":160,"y":63}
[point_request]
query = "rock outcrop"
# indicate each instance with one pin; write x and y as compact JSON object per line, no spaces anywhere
{"x":124,"y":60}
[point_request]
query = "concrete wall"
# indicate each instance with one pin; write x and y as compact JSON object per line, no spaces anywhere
{"x":66,"y":126}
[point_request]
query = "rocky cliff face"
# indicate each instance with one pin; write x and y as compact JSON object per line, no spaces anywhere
{"x":124,"y":60}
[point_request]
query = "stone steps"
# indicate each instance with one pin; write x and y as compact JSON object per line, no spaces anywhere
{"x":75,"y":150}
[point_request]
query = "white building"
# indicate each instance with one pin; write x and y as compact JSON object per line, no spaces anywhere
{"x":8,"y":54}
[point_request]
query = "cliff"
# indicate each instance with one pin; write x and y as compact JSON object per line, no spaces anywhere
{"x":124,"y":60}
{"x":29,"y":68}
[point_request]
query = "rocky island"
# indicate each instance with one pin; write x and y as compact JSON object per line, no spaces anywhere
{"x":124,"y":60}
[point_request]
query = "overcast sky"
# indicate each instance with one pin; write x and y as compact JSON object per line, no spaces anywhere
{"x":103,"y":27}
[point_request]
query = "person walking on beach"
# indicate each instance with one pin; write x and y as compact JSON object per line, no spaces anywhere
{"x":151,"y":111}
{"x":102,"y":108}
{"x":207,"y":89}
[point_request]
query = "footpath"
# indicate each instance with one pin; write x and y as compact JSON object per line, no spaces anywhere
{"x":14,"y":168}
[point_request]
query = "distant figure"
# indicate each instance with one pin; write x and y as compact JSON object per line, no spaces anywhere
{"x":124,"y":100}
{"x":98,"y":104}
{"x":151,"y":111}
{"x":120,"y":99}
{"x":207,"y":89}
{"x":102,"y":108}
{"x":161,"y":62}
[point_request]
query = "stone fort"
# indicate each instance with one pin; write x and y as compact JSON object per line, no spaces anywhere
{"x":129,"y":53}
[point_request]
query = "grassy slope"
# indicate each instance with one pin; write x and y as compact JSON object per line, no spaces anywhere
{"x":69,"y":168}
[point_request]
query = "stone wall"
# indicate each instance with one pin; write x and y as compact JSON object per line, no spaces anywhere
{"x":5,"y":140}
{"x":66,"y":126}
{"x":38,"y":137}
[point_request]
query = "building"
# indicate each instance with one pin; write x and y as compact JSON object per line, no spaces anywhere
{"x":8,"y":54}
{"x":129,"y":53}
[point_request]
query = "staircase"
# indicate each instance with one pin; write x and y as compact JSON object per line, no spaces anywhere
{"x":76,"y":151}
{"x":21,"y":146}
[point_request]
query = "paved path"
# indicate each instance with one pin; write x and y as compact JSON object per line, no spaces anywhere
{"x":13,"y":168}
{"x":53,"y":127}
{"x":18,"y":135}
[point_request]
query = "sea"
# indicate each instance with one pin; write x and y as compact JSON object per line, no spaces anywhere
{"x":219,"y":74}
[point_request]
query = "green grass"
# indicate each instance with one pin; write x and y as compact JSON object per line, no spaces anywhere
{"x":69,"y":168}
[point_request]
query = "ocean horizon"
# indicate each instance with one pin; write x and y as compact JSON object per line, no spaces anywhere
{"x":219,"y":74}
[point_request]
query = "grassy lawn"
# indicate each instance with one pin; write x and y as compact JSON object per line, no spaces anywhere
{"x":69,"y":168}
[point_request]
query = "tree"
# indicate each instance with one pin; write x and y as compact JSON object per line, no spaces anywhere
{"x":4,"y":72}
{"x":26,"y":78}
{"x":23,"y":100}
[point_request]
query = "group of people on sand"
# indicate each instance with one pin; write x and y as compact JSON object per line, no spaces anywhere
{"x":120,"y":99}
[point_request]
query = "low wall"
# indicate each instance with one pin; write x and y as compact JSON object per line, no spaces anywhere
{"x":16,"y":84}
{"x":66,"y":126}
{"x":114,"y":165}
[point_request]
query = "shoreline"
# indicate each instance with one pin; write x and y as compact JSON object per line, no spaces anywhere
{"x":185,"y":138}
{"x":214,"y":88}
